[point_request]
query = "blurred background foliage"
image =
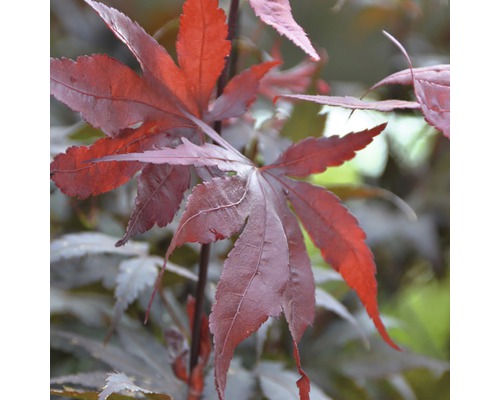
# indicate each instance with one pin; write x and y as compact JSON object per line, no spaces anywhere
{"x":406,"y":220}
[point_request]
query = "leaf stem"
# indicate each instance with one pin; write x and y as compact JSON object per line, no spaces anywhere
{"x":198,"y":307}
{"x":205,"y":248}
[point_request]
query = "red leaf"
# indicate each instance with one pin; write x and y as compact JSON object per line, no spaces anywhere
{"x":299,"y":79}
{"x":431,"y":86}
{"x":160,"y":190}
{"x":108,"y":94}
{"x":304,"y":384}
{"x":278,"y":14}
{"x":75,"y":176}
{"x":215,"y":210}
{"x":255,"y":284}
{"x":354,"y":103}
{"x":432,"y":90}
{"x":157,"y":65}
{"x":196,"y":380}
{"x":341,"y":241}
{"x":202,"y":48}
{"x":252,"y":283}
{"x":187,"y":153}
{"x":239,"y":93}
{"x":298,"y":298}
{"x":314,"y":155}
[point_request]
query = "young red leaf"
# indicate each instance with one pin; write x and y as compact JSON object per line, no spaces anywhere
{"x":75,"y":176}
{"x":160,"y":190}
{"x":278,"y":14}
{"x":239,"y":93}
{"x":341,"y":241}
{"x":202,"y":48}
{"x":314,"y":155}
{"x":299,"y":79}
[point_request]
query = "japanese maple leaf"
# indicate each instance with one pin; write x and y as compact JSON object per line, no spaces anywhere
{"x":431,"y":86}
{"x":278,"y":14}
{"x":268,"y":271}
{"x":299,"y":79}
{"x":140,"y":112}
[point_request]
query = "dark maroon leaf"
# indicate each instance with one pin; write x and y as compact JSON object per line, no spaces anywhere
{"x":160,"y":190}
{"x":109,"y":95}
{"x":268,"y":270}
{"x":253,"y":280}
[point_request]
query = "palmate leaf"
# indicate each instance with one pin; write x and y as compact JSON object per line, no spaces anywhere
{"x":138,"y":113}
{"x":278,"y":14}
{"x":431,"y":86}
{"x":268,"y":270}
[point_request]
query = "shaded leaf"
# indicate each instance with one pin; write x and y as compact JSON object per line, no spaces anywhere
{"x":77,"y":394}
{"x":134,"y":276}
{"x":328,"y":302}
{"x":75,"y":245}
{"x":91,"y":380}
{"x":349,"y":192}
{"x":119,"y":382}
{"x":381,"y":363}
{"x":241,"y":383}
{"x":278,"y":383}
{"x":91,"y":309}
{"x":136,"y":354}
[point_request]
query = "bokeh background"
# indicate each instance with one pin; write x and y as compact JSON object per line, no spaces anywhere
{"x":407,"y":220}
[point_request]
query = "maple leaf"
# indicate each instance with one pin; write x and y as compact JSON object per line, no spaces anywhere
{"x":140,"y":112}
{"x":431,"y":86}
{"x":432,"y":90}
{"x":268,"y":270}
{"x":299,"y":79}
{"x":278,"y":14}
